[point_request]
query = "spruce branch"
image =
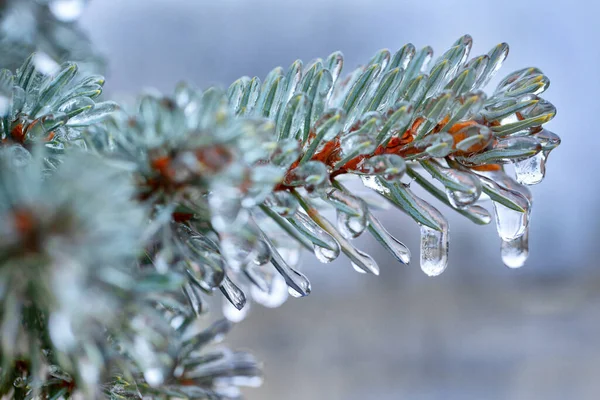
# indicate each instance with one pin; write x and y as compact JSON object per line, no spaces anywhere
{"x":149,"y":209}
{"x":225,"y":165}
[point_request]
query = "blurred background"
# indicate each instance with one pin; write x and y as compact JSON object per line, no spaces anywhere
{"x":478,"y":331}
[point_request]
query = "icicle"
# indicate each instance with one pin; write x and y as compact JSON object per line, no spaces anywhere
{"x":389,"y":167}
{"x":515,"y":252}
{"x":434,"y":243}
{"x":351,"y":226}
{"x":233,"y":293}
{"x":312,"y":175}
{"x":460,"y":199}
{"x":262,"y":253}
{"x":397,"y":248}
{"x":482,"y":215}
{"x":434,"y":250}
{"x":283,"y":203}
{"x":361,"y":261}
{"x":532,"y":170}
{"x":511,"y":223}
{"x":326,"y":248}
{"x":351,"y":213}
{"x":549,"y":141}
{"x":462,"y":188}
{"x":298,"y":284}
{"x":326,"y":255}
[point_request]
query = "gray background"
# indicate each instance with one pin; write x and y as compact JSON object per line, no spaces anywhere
{"x":479,"y":331}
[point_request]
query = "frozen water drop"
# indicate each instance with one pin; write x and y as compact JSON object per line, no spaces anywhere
{"x":531,"y":171}
{"x":434,"y":250}
{"x":326,"y":248}
{"x":313,"y":175}
{"x":362,"y":262}
{"x":397,"y":248}
{"x":298,"y":284}
{"x":234,"y":294}
{"x":460,"y":199}
{"x":67,"y":10}
{"x":326,"y":255}
{"x":515,"y":252}
{"x":351,"y":226}
{"x":484,"y":217}
{"x":358,"y":268}
{"x":390,"y":167}
{"x":262,"y":253}
{"x":510,"y":223}
{"x":283,"y":203}
{"x":462,"y":188}
{"x":351,"y":213}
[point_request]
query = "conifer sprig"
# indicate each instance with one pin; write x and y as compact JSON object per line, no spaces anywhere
{"x":149,"y":210}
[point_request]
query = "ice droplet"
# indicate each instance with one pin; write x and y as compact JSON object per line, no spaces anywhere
{"x":67,"y":10}
{"x":326,"y":255}
{"x":361,"y":261}
{"x":531,"y":171}
{"x":298,"y":284}
{"x":357,"y":268}
{"x":390,"y":167}
{"x":351,"y":213}
{"x":434,"y":250}
{"x":483,"y":215}
{"x":233,"y":293}
{"x":262,"y":253}
{"x":394,"y":246}
{"x":325,"y":246}
{"x":460,"y":199}
{"x":515,"y":252}
{"x":350,"y":226}
{"x":312,"y":175}
{"x":462,"y":188}
{"x":510,"y":223}
{"x":283,"y":203}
